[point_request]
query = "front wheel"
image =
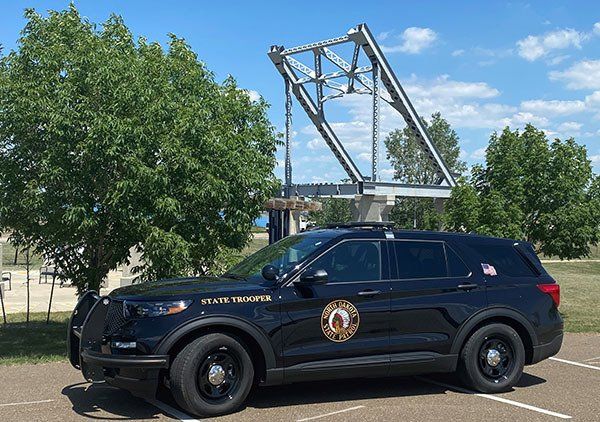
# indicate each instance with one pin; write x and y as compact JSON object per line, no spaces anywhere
{"x":492,"y":359}
{"x":212,"y":375}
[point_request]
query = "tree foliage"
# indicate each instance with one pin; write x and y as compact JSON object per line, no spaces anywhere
{"x":335,"y":210}
{"x":107,"y":143}
{"x":411,"y":165}
{"x":532,"y":189}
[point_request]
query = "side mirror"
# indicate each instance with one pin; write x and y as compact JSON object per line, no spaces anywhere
{"x":312,"y":277}
{"x":270,"y":272}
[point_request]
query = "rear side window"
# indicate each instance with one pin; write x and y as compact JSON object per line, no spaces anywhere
{"x":456,"y":266}
{"x":420,"y":259}
{"x":505,"y":259}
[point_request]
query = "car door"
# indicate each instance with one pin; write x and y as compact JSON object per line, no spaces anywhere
{"x":340,"y":328}
{"x":432,"y":293}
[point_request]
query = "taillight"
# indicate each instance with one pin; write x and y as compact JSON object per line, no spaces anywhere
{"x":553,"y":290}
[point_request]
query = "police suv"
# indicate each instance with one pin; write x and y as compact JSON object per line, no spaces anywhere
{"x":354,"y":300}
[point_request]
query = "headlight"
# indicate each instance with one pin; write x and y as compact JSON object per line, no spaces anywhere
{"x":154,"y":309}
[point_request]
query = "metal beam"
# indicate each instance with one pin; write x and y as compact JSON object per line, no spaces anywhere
{"x":288,"y":133}
{"x":375,"y":134}
{"x":311,"y":110}
{"x":348,"y":190}
{"x":394,"y":94}
{"x":400,"y":101}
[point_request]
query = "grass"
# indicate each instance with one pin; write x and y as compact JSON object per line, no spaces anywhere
{"x":580,"y":294}
{"x":8,"y":259}
{"x":33,"y":342}
{"x":37,"y":342}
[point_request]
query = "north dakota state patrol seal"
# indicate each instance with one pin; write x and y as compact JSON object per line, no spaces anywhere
{"x":339,"y":320}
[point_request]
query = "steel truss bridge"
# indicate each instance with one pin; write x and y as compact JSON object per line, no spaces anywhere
{"x":350,"y":78}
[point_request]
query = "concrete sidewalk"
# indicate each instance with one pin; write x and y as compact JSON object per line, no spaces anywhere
{"x":64,"y":298}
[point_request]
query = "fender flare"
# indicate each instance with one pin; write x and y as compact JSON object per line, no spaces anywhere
{"x":258,"y":335}
{"x":487,"y":313}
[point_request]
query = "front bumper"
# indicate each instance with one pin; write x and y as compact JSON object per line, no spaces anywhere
{"x":88,"y":351}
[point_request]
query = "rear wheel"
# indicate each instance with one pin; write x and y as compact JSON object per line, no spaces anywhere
{"x":212,"y":375}
{"x":492,"y":359}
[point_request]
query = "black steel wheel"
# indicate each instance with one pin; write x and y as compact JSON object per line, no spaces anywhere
{"x":218,"y":377}
{"x":492,"y":359}
{"x":212,"y":375}
{"x":496,"y":358}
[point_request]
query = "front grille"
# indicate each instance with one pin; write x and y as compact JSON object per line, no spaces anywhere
{"x":114,"y":317}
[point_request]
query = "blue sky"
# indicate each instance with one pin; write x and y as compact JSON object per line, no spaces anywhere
{"x":484,"y":65}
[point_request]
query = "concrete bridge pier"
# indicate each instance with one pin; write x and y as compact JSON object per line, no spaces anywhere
{"x":372,"y":207}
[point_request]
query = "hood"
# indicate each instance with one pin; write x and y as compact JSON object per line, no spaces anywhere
{"x":165,"y":289}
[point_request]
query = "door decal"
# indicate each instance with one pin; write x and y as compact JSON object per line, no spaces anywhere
{"x":339,"y":320}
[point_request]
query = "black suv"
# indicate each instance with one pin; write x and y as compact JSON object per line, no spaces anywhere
{"x":347,"y":301}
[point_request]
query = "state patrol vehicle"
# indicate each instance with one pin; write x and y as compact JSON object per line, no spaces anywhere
{"x":355,"y":300}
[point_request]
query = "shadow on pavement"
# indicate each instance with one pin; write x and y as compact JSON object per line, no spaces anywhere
{"x":528,"y":380}
{"x":103,"y":402}
{"x":358,"y":389}
{"x":339,"y":391}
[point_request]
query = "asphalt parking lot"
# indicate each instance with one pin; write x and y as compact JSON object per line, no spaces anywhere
{"x":566,"y":387}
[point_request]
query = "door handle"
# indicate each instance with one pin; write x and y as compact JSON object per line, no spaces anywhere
{"x":369,"y":293}
{"x":467,"y":287}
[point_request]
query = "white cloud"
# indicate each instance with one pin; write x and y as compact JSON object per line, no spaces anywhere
{"x":443,"y":86}
{"x":458,"y":52}
{"x":593,"y":100}
{"x":557,"y":60}
{"x":583,"y":74}
{"x":365,"y":156}
{"x":384,"y":35}
{"x":254,"y":96}
{"x":595,"y":159}
{"x":569,"y":127}
{"x":316,"y":143}
{"x":553,"y":107}
{"x":534,"y":47}
{"x":457,"y":101}
{"x":388,"y":173}
{"x":523,"y":117}
{"x":413,"y":41}
{"x":478,"y":154}
{"x":597,"y":28}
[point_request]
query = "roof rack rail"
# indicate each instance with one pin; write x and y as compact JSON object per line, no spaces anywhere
{"x":382,"y":225}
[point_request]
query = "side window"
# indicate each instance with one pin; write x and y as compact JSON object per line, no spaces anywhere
{"x":351,"y":261}
{"x":456,"y":266}
{"x":420,"y":259}
{"x":505,"y":259}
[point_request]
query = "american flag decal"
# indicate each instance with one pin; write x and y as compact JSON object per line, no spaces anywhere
{"x":488,"y":269}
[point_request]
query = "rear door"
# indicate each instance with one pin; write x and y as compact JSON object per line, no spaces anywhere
{"x":432,"y":293}
{"x":342,"y":327}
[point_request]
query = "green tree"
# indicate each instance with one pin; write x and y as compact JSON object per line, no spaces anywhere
{"x":462,"y":209}
{"x":335,"y":210}
{"x":107,"y":143}
{"x":411,"y":165}
{"x":532,"y":189}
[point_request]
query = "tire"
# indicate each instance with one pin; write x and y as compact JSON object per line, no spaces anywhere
{"x":191,"y":385}
{"x":486,"y":371}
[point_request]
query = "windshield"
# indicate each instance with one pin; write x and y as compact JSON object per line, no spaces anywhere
{"x":284,"y":255}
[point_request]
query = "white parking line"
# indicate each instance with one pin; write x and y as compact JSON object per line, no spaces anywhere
{"x":25,"y":402}
{"x":589,"y":360}
{"x":172,"y":411}
{"x":496,"y":398}
{"x":330,"y":414}
{"x":570,"y":362}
